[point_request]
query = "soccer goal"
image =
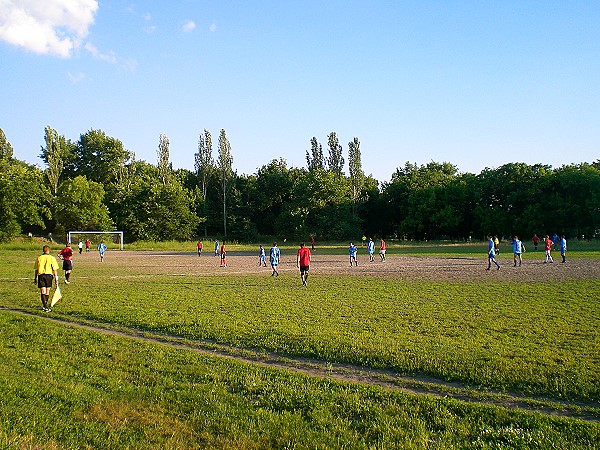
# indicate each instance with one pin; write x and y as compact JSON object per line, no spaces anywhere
{"x":116,"y":237}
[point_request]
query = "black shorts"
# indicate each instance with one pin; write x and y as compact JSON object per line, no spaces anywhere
{"x":303,"y":270}
{"x":45,"y":280}
{"x":67,"y":265}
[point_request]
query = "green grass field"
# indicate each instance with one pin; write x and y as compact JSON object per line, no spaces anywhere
{"x":67,"y":387}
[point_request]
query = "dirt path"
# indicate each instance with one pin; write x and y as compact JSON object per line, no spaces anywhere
{"x":404,"y":267}
{"x":416,"y":385}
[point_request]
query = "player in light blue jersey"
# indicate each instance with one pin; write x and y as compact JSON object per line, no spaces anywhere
{"x":491,"y":254}
{"x":518,"y":250}
{"x":371,"y":250}
{"x":101,"y":250}
{"x":353,"y":250}
{"x":563,"y":248}
{"x":274,"y":255}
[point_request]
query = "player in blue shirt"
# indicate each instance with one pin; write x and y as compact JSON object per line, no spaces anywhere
{"x":262,"y":259}
{"x":371,"y":250}
{"x":101,"y":250}
{"x":518,"y":249}
{"x":274,"y":255}
{"x":492,"y":254}
{"x":353,"y":250}
{"x":563,"y":248}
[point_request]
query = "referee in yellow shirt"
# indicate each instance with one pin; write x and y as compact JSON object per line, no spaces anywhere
{"x":46,"y":268}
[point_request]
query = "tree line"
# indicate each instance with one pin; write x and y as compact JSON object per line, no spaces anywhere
{"x":96,"y":184}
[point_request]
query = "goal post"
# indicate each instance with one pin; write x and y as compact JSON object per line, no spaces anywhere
{"x":116,"y":235}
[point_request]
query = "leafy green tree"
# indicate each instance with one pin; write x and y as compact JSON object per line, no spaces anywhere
{"x":204,"y":166}
{"x":271,"y":188}
{"x":24,"y":198}
{"x":573,"y":198}
{"x":319,"y":206}
{"x":335,"y":162}
{"x":57,"y":153}
{"x":99,"y":158}
{"x":203,"y":160}
{"x":508,"y":200}
{"x":224,"y":164}
{"x":79,"y":206}
{"x":315,"y":159}
{"x":6,"y":149}
{"x":164,"y":168}
{"x":357,"y":176}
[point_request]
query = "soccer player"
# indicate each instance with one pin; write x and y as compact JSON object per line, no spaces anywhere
{"x":274,"y":255}
{"x":352,"y":250}
{"x":536,"y":241}
{"x":101,"y":250}
{"x":88,"y":244}
{"x":199,"y":246}
{"x":66,"y":254}
{"x":496,"y":245}
{"x":492,"y":253}
{"x":548,"y":247}
{"x":563,"y":248}
{"x":80,"y":247}
{"x":303,"y":263}
{"x":518,"y":249}
{"x":223,"y":255}
{"x":382,"y":250}
{"x":45,"y":269}
{"x":371,"y":250}
{"x":216,"y":247}
{"x":262,"y":257}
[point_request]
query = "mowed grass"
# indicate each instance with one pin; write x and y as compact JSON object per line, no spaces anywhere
{"x":538,"y":338}
{"x":71,"y":388}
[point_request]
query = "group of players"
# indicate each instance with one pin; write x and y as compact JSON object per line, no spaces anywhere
{"x":45,"y":269}
{"x":519,"y":249}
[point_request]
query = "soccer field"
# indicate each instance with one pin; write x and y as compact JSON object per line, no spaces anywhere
{"x":521,"y":342}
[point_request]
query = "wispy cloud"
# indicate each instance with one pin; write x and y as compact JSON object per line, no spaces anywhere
{"x":109,"y":57}
{"x":189,"y":26}
{"x":76,"y":77}
{"x":212,"y":27}
{"x":54,"y":27}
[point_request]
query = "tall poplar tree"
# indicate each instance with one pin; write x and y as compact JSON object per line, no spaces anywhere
{"x":314,"y":159}
{"x":224,"y":165}
{"x":335,"y":161}
{"x":357,"y":176}
{"x":204,"y":165}
{"x":6,"y":150}
{"x":164,"y":170}
{"x":203,"y":160}
{"x":57,"y":152}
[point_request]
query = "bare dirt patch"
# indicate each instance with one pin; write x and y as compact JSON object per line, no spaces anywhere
{"x":458,"y":269}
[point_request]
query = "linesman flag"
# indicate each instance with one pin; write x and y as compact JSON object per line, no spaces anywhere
{"x":56,"y":297}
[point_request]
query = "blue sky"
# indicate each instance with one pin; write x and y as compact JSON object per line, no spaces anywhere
{"x":475,"y":83}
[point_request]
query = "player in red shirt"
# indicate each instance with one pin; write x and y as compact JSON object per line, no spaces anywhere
{"x":66,"y":254}
{"x":199,"y":245}
{"x":382,"y":251}
{"x":303,"y":262}
{"x":548,"y":246}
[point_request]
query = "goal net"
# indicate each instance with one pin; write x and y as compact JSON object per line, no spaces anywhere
{"x":109,"y":237}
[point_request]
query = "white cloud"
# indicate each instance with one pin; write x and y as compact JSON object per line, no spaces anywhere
{"x":212,"y":27}
{"x":76,"y":77}
{"x":55,"y":27}
{"x":108,"y":57}
{"x":147,"y":17}
{"x":189,"y":26}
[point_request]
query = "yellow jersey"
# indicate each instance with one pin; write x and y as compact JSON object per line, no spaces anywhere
{"x":46,"y":265}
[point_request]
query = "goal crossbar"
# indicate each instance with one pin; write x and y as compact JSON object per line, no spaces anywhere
{"x":118,"y":233}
